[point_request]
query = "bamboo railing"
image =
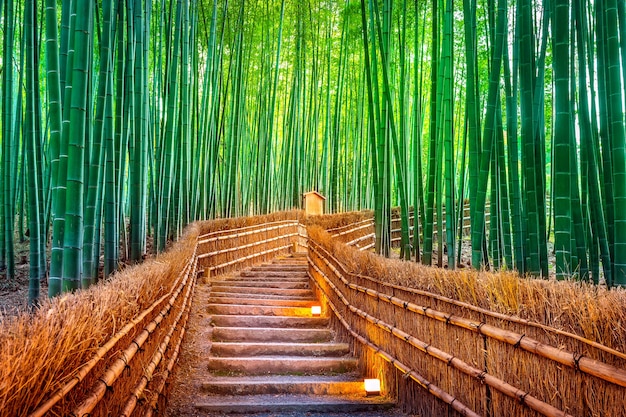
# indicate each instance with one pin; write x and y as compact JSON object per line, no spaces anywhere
{"x":148,"y":345}
{"x":126,"y":373}
{"x":361,"y":234}
{"x":472,"y":361}
{"x":227,"y":250}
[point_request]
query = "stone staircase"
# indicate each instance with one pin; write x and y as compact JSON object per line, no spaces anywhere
{"x":269,"y":355}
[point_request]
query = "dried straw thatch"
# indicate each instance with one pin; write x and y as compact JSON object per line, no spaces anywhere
{"x":473,"y":334}
{"x":43,"y":351}
{"x":109,"y":350}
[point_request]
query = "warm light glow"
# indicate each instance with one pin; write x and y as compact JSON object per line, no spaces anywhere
{"x":372,"y":386}
{"x":316,"y":310}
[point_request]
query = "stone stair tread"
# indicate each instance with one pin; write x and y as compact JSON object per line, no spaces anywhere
{"x":269,"y":321}
{"x":261,"y":290}
{"x":278,"y":365}
{"x":255,"y":310}
{"x":269,"y":334}
{"x":253,"y":349}
{"x":342,"y":384}
{"x":265,"y":284}
{"x":263,"y":301}
{"x":308,"y":297}
{"x":293,"y":403}
{"x":269,"y":278}
{"x":278,"y":271}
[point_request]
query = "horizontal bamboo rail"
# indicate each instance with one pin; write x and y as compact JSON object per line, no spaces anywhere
{"x":322,"y":261}
{"x":360,"y":239}
{"x":424,"y":383}
{"x":507,"y":389}
{"x":573,"y":360}
{"x":238,"y":254}
{"x":235,"y":233}
{"x":85,"y":370}
{"x":249,"y":245}
{"x":158,"y":355}
{"x":112,"y":373}
{"x":334,"y":230}
{"x":246,"y":258}
{"x":471,"y":307}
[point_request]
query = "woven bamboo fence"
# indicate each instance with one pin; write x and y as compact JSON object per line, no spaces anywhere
{"x":104,"y":351}
{"x":235,"y":248}
{"x":440,"y":356}
{"x":357,"y":229}
{"x":109,"y":350}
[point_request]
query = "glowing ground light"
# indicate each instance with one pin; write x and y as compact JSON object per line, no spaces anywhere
{"x":372,"y":387}
{"x":316,"y":310}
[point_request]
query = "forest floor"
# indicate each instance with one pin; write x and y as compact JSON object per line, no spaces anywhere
{"x":14,"y":293}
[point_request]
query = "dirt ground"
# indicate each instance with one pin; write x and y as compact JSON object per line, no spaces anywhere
{"x":14,"y":293}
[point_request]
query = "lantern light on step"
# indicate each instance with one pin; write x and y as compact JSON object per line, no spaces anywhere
{"x":372,"y":387}
{"x":316,"y":310}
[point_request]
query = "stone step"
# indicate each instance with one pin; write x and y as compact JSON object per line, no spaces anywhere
{"x":230,"y":349}
{"x":306,"y":297}
{"x":256,"y":310}
{"x":293,"y":403}
{"x":296,"y":261}
{"x":282,"y":269}
{"x":261,"y":334}
{"x":269,"y":321}
{"x":263,"y":301}
{"x":279,"y":365}
{"x":287,"y":285}
{"x":260,"y":290}
{"x":264,"y":278}
{"x":284,"y":384}
{"x":275,"y":273}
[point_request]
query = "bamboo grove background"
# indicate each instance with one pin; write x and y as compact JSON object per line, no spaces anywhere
{"x":123,"y":120}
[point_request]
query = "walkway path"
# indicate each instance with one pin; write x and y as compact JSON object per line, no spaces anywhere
{"x":253,"y":348}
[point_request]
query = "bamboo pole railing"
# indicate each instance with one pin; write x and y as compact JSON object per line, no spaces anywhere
{"x":336,"y":264}
{"x":498,"y":384}
{"x":320,"y":260}
{"x":405,"y":370}
{"x":241,"y":246}
{"x":185,"y":281}
{"x":127,"y":375}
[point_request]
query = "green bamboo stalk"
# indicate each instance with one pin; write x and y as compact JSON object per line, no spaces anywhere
{"x":59,"y":198}
{"x":74,"y":214}
{"x":8,"y":143}
{"x":31,"y":148}
{"x":489,"y":133}
{"x":615,"y":88}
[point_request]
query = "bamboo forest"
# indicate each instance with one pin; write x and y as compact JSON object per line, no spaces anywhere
{"x":124,"y":121}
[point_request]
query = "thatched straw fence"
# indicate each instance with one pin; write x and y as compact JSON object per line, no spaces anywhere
{"x":468,"y":343}
{"x":233,"y":244}
{"x":109,"y":350}
{"x":357,"y":228}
